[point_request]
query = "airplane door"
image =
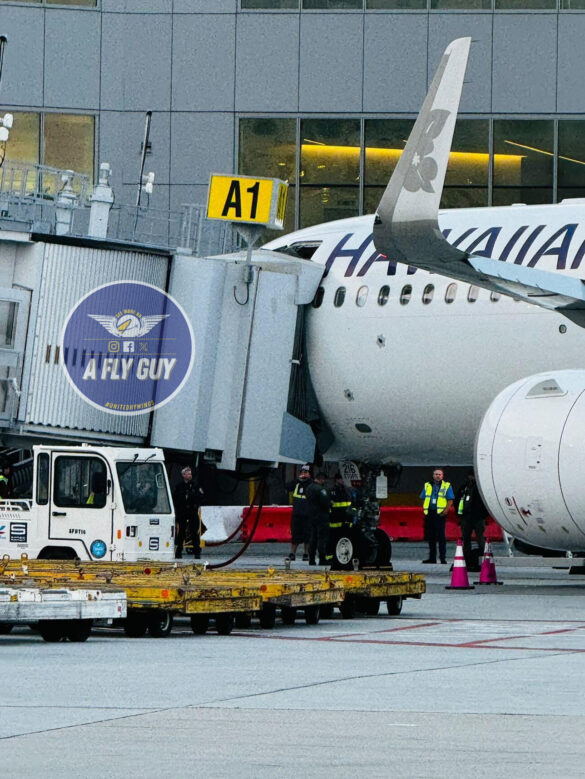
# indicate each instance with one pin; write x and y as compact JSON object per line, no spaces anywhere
{"x":81,"y":502}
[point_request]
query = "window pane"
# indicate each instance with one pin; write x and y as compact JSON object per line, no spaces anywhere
{"x":523,"y":157}
{"x":372,"y":197}
{"x":406,"y":294}
{"x":522,"y":4}
{"x":469,"y":158}
{"x":80,"y":482}
{"x":572,"y":5}
{"x":43,"y":479}
{"x":333,"y":3}
{"x":339,"y":297}
{"x":385,"y":140}
{"x":383,"y":295}
{"x":270,"y":3}
{"x":318,"y":299}
{"x":396,"y":3}
{"x":571,"y":166}
{"x":428,"y":293}
{"x":451,"y":293}
{"x":267,"y":148}
{"x":8,"y":311}
{"x":473,"y":294}
{"x":68,"y":142}
{"x":23,"y":142}
{"x":464,"y":197}
{"x":362,"y":296}
{"x":529,"y":196}
{"x":92,"y":3}
{"x":324,"y":204}
{"x":483,"y":4}
{"x":330,"y":151}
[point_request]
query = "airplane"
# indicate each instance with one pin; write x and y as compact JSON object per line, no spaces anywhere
{"x":452,"y":336}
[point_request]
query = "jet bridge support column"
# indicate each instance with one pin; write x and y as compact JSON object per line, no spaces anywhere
{"x":234,"y":404}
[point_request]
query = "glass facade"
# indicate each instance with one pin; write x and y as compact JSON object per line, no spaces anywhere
{"x":91,"y":3}
{"x":344,"y":164}
{"x":393,"y":5}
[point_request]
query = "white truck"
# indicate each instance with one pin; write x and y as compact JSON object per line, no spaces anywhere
{"x":94,"y":503}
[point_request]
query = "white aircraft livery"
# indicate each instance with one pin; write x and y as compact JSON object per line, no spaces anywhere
{"x":432,"y":330}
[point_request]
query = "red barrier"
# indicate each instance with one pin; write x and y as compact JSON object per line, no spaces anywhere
{"x":402,"y":523}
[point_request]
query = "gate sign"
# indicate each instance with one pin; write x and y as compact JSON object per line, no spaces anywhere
{"x":259,"y":201}
{"x":127,"y":347}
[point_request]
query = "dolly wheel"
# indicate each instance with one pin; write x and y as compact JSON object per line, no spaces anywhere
{"x":160,"y":624}
{"x":52,"y":630}
{"x":267,"y":616}
{"x":326,"y":611}
{"x":243,"y":619}
{"x":224,"y":623}
{"x":347,"y":608}
{"x":135,"y":625}
{"x":312,"y":614}
{"x":394,"y":605}
{"x":199,"y":624}
{"x":5,"y":628}
{"x":79,"y":630}
{"x":288,"y":614}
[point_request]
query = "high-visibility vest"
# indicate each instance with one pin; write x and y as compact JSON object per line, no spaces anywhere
{"x":3,"y":479}
{"x":296,"y":493}
{"x":339,"y":504}
{"x":441,"y":497}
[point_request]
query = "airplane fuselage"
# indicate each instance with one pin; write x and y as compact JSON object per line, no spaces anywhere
{"x":406,"y":375}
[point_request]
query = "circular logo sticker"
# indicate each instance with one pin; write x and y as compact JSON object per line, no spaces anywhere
{"x":127,"y":347}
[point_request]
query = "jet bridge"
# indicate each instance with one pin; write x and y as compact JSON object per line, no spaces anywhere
{"x":59,"y":241}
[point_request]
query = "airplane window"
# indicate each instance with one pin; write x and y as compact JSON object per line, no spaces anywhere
{"x":339,"y":297}
{"x":383,"y":295}
{"x":473,"y":294}
{"x":318,"y":299}
{"x":406,"y":294}
{"x":450,"y":293}
{"x":362,"y":296}
{"x":495,"y":296}
{"x":428,"y":293}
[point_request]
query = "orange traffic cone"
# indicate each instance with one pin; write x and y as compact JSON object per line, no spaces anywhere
{"x":488,"y":567}
{"x":459,"y":580}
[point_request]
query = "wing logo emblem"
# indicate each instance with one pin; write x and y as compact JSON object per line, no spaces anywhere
{"x":128,"y":324}
{"x":423,"y":168}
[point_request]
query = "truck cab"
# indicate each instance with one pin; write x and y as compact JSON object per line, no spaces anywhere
{"x":94,"y":503}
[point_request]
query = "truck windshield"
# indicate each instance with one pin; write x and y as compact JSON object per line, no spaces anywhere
{"x":143,"y":487}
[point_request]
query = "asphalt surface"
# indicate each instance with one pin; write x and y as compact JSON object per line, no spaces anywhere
{"x":483,"y":683}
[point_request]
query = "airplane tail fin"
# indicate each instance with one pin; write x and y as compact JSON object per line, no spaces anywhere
{"x":412,"y":197}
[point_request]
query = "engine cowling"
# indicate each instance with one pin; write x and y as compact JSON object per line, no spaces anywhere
{"x":530,"y":459}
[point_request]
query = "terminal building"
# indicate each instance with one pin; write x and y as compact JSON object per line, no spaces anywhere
{"x":320,"y":92}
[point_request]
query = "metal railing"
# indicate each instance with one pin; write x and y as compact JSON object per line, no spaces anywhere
{"x":29,"y":200}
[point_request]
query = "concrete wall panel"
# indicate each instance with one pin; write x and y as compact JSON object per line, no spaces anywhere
{"x":331,"y":50}
{"x":72,"y":59}
{"x":24,"y":28}
{"x":201,"y":144}
{"x":203,"y":62}
{"x":267,"y":62}
{"x":571,"y":65}
{"x":395,"y":71}
{"x":525,"y":63}
{"x":136,"y":62}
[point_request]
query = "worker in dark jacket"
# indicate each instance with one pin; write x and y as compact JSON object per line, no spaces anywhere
{"x":187,"y":498}
{"x":342,"y":513}
{"x":300,"y":526}
{"x":319,"y":504}
{"x":472,"y":514}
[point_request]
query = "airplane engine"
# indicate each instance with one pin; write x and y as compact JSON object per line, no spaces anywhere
{"x":530,"y":459}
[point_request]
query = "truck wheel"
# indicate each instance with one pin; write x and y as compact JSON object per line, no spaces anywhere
{"x":52,"y":630}
{"x":288,"y":614}
{"x":224,"y":623}
{"x":384,"y":554}
{"x":347,"y":608}
{"x":79,"y":630}
{"x":135,"y":625}
{"x":267,"y":616}
{"x":312,"y":615}
{"x":160,"y":624}
{"x":243,"y":619}
{"x":5,"y":628}
{"x":199,"y":624}
{"x":394,"y":605}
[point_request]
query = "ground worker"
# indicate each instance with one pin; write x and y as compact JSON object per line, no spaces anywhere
{"x":300,"y":526}
{"x":342,"y":515}
{"x":437,"y":496}
{"x":187,"y":498}
{"x":5,"y":486}
{"x":319,"y":504}
{"x":472,"y":514}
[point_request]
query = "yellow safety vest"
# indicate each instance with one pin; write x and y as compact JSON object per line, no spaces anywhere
{"x":342,"y":504}
{"x":3,"y":478}
{"x":441,"y":497}
{"x":296,"y":493}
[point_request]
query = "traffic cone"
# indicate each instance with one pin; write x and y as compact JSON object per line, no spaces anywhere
{"x":459,"y":579}
{"x":488,"y":567}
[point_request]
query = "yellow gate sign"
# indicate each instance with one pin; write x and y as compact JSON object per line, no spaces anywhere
{"x":259,"y":201}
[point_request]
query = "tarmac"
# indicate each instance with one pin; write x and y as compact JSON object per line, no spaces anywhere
{"x":482,"y":683}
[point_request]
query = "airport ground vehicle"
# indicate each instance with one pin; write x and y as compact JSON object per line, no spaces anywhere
{"x":92,"y":503}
